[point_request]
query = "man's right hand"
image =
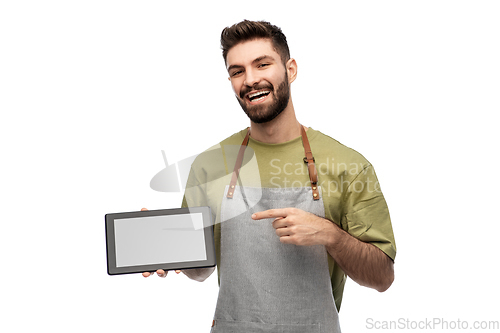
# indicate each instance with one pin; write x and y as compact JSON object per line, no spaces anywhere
{"x":161,"y":273}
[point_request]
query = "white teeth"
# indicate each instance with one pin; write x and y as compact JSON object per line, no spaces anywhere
{"x":258,"y":93}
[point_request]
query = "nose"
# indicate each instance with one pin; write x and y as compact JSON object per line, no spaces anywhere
{"x":251,"y":78}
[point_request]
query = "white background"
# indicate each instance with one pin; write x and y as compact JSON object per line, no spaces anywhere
{"x":92,"y":91}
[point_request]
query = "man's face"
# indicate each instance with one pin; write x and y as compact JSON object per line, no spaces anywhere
{"x":259,"y":79}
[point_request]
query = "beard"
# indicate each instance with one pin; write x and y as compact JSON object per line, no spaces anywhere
{"x":261,"y":113}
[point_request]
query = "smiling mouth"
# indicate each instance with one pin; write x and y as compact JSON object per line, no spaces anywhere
{"x":258,"y":96}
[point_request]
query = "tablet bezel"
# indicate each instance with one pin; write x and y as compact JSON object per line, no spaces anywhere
{"x":111,"y":248}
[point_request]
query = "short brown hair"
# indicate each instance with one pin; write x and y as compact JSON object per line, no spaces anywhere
{"x":250,"y":30}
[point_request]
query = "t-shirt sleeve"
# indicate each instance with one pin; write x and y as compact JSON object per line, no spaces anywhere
{"x":365,"y":212}
{"x":194,"y":194}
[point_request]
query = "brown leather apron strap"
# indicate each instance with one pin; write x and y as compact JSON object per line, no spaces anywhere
{"x":311,"y":166}
{"x":309,"y":159}
{"x":237,"y":166}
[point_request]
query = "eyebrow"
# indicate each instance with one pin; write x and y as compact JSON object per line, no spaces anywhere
{"x":256,"y":60}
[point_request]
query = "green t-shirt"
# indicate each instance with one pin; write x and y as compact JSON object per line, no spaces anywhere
{"x":350,"y":190}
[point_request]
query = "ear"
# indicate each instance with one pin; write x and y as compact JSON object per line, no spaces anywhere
{"x":291,"y":68}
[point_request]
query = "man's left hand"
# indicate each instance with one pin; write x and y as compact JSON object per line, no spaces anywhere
{"x":295,"y":226}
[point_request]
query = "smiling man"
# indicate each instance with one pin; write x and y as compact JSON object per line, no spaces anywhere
{"x":251,"y":90}
{"x":318,"y":215}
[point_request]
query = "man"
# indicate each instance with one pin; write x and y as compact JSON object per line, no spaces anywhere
{"x":283,"y":248}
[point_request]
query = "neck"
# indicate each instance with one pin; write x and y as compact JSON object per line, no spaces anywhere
{"x":281,"y":129}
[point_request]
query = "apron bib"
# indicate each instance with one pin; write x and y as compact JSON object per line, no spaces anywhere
{"x":267,"y":286}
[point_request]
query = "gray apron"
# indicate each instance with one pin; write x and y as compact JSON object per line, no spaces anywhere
{"x":267,"y":286}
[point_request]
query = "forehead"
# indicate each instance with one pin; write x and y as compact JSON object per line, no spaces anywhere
{"x":244,"y":53}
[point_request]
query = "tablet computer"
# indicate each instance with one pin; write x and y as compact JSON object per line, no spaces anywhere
{"x":168,"y":239}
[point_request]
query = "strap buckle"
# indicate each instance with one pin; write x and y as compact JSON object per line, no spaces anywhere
{"x":307,"y":161}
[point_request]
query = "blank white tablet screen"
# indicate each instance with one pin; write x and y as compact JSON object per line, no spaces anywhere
{"x":159,"y":239}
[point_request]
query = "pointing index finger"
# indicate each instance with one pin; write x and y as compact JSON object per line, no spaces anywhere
{"x":270,"y":213}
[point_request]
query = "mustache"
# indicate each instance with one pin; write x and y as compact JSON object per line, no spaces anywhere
{"x":245,"y":90}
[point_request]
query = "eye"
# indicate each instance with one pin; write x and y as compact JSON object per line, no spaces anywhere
{"x":236,"y":73}
{"x":263,"y":65}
